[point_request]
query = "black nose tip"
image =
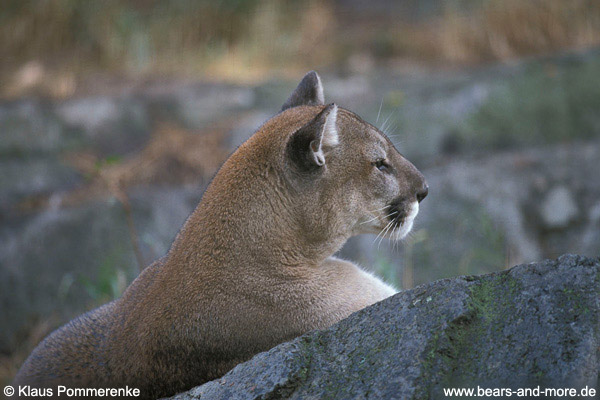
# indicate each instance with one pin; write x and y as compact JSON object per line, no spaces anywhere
{"x":421,"y":194}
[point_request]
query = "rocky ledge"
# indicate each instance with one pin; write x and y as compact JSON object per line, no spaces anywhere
{"x":535,"y":324}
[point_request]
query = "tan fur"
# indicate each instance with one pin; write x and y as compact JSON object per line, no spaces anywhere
{"x":252,"y":266}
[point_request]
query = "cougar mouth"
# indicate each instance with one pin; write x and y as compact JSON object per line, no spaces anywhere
{"x":397,"y":212}
{"x":401,"y":215}
{"x":393,"y":221}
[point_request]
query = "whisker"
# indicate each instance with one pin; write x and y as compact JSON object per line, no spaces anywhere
{"x":389,"y":130}
{"x":393,"y":129}
{"x":384,"y":126}
{"x":382,"y":231}
{"x":395,"y":232}
{"x":379,"y":209}
{"x":394,"y":137}
{"x":386,"y":230}
{"x":379,"y":112}
{"x":397,"y":242}
{"x":374,"y":218}
{"x":393,"y":236}
{"x":366,"y":222}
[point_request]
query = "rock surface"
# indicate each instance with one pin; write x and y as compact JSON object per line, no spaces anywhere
{"x":535,"y":324}
{"x":49,"y":267}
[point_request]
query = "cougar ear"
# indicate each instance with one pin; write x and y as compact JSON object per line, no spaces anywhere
{"x":307,"y":146}
{"x":308,"y":93}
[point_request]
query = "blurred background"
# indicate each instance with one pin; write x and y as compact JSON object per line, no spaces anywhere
{"x":114,"y":116}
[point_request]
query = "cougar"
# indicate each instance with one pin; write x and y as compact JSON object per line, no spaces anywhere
{"x":253,"y":265}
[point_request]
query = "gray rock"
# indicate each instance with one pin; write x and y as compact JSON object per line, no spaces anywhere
{"x":244,"y":127}
{"x":89,"y":113}
{"x":61,"y":262}
{"x":199,"y":105}
{"x":535,"y":324}
{"x":32,"y":127}
{"x":46,"y":259}
{"x":558,"y":208}
{"x":159,"y":212}
{"x":110,"y":125}
{"x":23,"y":177}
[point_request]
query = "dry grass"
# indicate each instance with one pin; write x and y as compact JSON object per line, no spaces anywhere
{"x":173,"y":156}
{"x":509,"y":29}
{"x":51,"y":46}
{"x":48,"y":46}
{"x":504,"y":30}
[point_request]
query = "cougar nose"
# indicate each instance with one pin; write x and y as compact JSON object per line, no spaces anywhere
{"x":422,"y":193}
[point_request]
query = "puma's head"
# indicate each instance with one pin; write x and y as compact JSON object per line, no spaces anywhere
{"x":308,"y":179}
{"x":347,"y":173}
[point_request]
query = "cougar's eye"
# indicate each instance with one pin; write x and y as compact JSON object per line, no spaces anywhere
{"x":381,"y":165}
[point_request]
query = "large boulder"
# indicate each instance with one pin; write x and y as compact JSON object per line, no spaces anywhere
{"x":57,"y":263}
{"x":533,"y":325}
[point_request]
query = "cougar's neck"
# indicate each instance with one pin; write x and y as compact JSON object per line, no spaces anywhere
{"x":248,"y":219}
